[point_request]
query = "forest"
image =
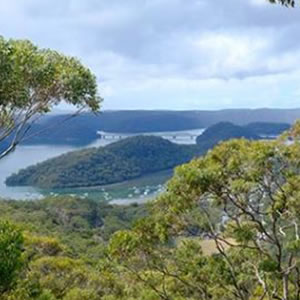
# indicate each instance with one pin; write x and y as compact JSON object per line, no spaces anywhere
{"x":226,"y":227}
{"x":117,"y":162}
{"x":131,"y":158}
{"x":81,"y":130}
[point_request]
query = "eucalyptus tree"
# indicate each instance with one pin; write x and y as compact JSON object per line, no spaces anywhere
{"x":288,"y":3}
{"x":243,"y":198}
{"x":32,"y":82}
{"x":11,"y":260}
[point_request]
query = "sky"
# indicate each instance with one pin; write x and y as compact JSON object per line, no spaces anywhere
{"x":171,"y":54}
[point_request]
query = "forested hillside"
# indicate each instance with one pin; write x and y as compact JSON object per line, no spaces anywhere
{"x":82,"y":129}
{"x":225,"y":228}
{"x":117,"y":162}
{"x":130,"y":158}
{"x":226,"y":225}
{"x":267,"y":128}
{"x":55,"y":248}
{"x":224,"y":131}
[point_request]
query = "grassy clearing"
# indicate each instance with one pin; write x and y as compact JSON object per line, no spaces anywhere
{"x":209,"y":246}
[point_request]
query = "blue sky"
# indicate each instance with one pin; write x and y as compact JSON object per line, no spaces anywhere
{"x":172,"y":54}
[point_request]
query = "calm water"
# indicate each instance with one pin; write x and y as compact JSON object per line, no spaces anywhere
{"x":24,"y":156}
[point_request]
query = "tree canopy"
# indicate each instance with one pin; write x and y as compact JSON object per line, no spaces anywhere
{"x":11,"y":244}
{"x":130,"y":158}
{"x":288,"y":3}
{"x":226,"y":228}
{"x":32,"y":81}
{"x":124,"y":160}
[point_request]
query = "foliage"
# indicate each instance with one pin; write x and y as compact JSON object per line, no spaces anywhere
{"x":130,"y":158}
{"x":227,"y":227}
{"x":265,"y":128}
{"x":58,"y":254}
{"x":224,"y":131}
{"x":78,"y":223}
{"x":11,"y":243}
{"x":123,"y":160}
{"x":288,"y":3}
{"x":82,"y":130}
{"x":243,"y":195}
{"x":32,"y":81}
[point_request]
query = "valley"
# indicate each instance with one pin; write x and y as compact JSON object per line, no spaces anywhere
{"x":150,"y":150}
{"x":137,"y":188}
{"x":125,"y":192}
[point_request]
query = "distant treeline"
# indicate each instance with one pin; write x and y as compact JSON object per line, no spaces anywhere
{"x":82,"y":129}
{"x":130,"y":158}
{"x":124,"y":160}
{"x":225,"y":130}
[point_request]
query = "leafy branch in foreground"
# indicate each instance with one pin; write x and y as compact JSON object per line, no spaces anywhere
{"x":32,"y":81}
{"x":11,"y":247}
{"x":288,"y":3}
{"x":242,"y":199}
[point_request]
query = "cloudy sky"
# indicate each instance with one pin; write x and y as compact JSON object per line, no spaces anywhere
{"x":172,"y":54}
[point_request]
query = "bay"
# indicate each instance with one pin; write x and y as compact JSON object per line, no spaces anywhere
{"x":138,"y":190}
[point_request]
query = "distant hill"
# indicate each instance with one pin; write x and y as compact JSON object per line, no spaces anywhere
{"x":265,"y":129}
{"x":246,"y":116}
{"x":123,"y":160}
{"x":82,"y":129}
{"x":224,"y":131}
{"x":129,"y":158}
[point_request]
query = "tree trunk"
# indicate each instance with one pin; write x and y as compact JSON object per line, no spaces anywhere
{"x":285,"y":280}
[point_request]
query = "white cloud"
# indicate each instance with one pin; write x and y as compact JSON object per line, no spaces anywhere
{"x":171,"y":53}
{"x":228,"y":54}
{"x":259,"y":2}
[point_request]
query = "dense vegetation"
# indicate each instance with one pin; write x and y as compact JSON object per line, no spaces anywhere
{"x":57,"y":253}
{"x":224,"y":131}
{"x":244,"y":197}
{"x":82,"y":129}
{"x":130,"y":158}
{"x":123,"y":160}
{"x":69,"y":218}
{"x":32,"y":82}
{"x":227,"y":227}
{"x":265,"y":128}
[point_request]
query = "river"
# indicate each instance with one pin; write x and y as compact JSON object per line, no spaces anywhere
{"x":133,"y":191}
